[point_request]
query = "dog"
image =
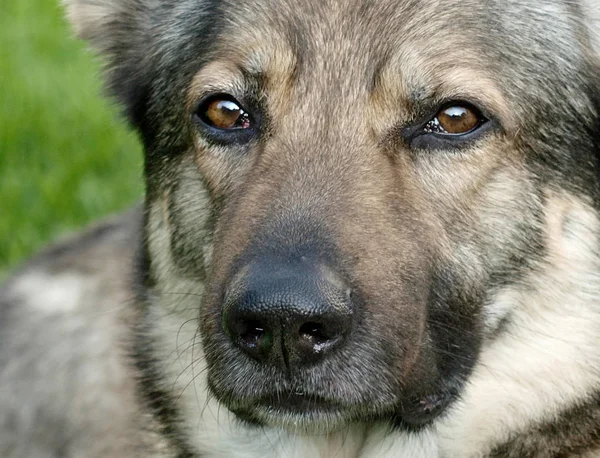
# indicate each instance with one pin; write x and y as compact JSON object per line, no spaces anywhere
{"x":370,"y":229}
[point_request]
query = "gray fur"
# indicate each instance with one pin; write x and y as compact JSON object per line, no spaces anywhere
{"x":67,"y":388}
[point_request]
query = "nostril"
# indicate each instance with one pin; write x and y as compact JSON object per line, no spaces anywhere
{"x":252,"y":336}
{"x":316,"y":335}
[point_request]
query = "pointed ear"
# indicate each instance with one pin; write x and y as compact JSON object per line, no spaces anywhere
{"x":118,"y":31}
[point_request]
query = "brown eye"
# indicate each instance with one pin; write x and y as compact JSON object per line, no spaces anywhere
{"x":223,"y":112}
{"x":455,"y":120}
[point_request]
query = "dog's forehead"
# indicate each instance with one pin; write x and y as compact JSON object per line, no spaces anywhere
{"x":367,"y":29}
{"x":349,"y":32}
{"x":355,"y":41}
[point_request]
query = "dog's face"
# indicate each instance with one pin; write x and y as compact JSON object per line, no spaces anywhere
{"x":364,"y":177}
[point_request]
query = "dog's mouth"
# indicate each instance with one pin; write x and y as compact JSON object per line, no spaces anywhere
{"x":294,"y":410}
{"x":313,"y":413}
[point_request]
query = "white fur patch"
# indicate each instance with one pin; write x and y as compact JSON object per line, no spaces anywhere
{"x":48,"y":293}
{"x":381,"y":444}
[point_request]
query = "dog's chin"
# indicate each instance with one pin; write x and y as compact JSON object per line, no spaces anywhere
{"x":303,"y":423}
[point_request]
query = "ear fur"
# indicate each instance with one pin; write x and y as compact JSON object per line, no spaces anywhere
{"x":90,"y":17}
{"x":118,"y":31}
{"x":108,"y":24}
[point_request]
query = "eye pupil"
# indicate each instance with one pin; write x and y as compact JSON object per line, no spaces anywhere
{"x":224,"y":113}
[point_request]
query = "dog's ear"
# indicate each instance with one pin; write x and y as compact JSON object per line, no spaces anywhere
{"x":97,"y":20}
{"x":118,"y":30}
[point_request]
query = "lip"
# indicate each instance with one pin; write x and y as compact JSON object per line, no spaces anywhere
{"x":293,"y":410}
{"x":313,"y":413}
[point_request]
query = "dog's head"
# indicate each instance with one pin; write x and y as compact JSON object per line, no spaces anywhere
{"x":352,"y":182}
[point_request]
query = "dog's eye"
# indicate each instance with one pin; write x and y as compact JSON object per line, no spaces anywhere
{"x":455,"y":125}
{"x":223,"y":112}
{"x":455,"y":119}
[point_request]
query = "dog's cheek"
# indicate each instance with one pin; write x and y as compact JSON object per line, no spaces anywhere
{"x":179,"y":240}
{"x":489,"y":207}
{"x":191,"y":217}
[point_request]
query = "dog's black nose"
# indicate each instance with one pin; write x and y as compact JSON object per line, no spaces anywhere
{"x":289,"y":314}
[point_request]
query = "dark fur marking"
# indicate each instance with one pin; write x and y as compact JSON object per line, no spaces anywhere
{"x":575,"y":432}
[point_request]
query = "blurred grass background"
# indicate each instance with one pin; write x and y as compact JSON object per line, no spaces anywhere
{"x":66,"y":156}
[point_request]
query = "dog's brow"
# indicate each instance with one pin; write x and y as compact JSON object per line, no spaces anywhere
{"x":419,"y":94}
{"x":477,"y":86}
{"x":216,"y":76}
{"x":459,"y":84}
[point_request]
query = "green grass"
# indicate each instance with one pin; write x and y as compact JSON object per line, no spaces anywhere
{"x":66,"y":157}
